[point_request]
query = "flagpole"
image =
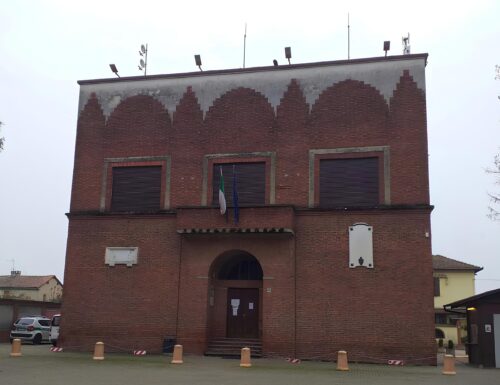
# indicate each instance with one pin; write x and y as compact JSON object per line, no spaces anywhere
{"x":235,"y":198}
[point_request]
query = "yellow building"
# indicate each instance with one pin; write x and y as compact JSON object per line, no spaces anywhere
{"x":46,"y":288}
{"x":453,"y":280}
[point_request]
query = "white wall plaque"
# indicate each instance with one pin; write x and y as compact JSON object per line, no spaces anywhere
{"x":121,"y":256}
{"x":360,"y":246}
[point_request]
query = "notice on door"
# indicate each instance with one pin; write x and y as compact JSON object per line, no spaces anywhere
{"x":250,"y":305}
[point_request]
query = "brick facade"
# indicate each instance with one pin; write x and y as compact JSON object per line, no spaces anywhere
{"x":311,"y":303}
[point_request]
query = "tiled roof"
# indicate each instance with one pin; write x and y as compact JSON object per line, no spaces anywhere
{"x":444,"y":263}
{"x":24,"y":281}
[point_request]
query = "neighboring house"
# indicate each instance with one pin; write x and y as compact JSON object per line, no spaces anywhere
{"x":46,"y":288}
{"x":22,"y":295}
{"x":331,"y":249}
{"x":453,"y":280}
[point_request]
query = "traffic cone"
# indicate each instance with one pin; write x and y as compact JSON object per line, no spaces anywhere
{"x":99,"y":351}
{"x":342,"y":360}
{"x":245,"y":358}
{"x":449,"y":364}
{"x":16,"y":348}
{"x":177,"y":358}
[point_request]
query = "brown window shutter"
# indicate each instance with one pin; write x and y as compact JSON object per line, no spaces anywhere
{"x":437,"y":287}
{"x":136,"y":188}
{"x":349,"y":182}
{"x":250,"y":180}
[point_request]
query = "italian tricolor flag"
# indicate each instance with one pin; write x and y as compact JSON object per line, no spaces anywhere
{"x":222,"y":197}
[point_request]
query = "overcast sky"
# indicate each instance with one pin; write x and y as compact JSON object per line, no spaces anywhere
{"x":46,"y":46}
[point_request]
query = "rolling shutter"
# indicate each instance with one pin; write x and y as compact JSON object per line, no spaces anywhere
{"x":349,"y":182}
{"x":136,"y":188}
{"x":251,"y":183}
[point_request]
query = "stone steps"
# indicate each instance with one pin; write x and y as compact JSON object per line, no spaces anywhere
{"x":232,"y":347}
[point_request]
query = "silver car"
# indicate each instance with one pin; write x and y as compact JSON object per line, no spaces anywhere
{"x":33,"y":329}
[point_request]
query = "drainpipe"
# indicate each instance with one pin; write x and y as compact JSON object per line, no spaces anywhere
{"x":178,"y":291}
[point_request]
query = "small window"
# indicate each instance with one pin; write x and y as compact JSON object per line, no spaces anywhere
{"x":441,"y":319}
{"x":250,"y":183}
{"x":349,"y":182}
{"x":439,"y":333}
{"x":44,"y":322}
{"x":136,"y":188}
{"x":437,"y":287}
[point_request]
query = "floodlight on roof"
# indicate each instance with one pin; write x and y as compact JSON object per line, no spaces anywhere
{"x":114,"y":69}
{"x":288,"y":54}
{"x":197,"y":60}
{"x":387,"y":46}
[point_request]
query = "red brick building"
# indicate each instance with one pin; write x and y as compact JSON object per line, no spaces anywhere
{"x":332,"y":248}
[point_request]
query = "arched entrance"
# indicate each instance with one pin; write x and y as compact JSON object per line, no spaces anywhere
{"x":235,"y":296}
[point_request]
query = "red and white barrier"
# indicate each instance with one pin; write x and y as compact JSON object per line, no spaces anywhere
{"x":293,"y":360}
{"x":396,"y":362}
{"x":56,"y":349}
{"x":139,"y":352}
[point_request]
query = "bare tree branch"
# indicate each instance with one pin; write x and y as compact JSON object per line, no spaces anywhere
{"x":494,"y":208}
{"x":2,"y":140}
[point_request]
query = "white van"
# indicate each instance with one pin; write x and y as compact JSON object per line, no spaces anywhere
{"x":54,"y":329}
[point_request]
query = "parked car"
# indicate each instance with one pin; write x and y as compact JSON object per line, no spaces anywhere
{"x":54,"y":329}
{"x":35,"y":329}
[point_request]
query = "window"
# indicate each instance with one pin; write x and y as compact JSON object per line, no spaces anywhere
{"x":44,"y":322}
{"x":437,"y":288}
{"x":345,"y":182}
{"x":241,"y":267}
{"x":441,"y":319}
{"x":439,"y":333}
{"x":250,"y":181}
{"x":136,"y":188}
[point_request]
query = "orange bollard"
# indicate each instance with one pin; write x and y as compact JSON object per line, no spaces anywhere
{"x":99,"y":351}
{"x":245,"y":361}
{"x":16,"y":348}
{"x":177,"y":358}
{"x":449,"y":364}
{"x":342,"y":361}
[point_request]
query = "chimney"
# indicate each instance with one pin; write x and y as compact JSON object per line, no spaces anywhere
{"x":15,"y":273}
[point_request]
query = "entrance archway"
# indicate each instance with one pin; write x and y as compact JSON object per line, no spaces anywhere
{"x":235,"y":296}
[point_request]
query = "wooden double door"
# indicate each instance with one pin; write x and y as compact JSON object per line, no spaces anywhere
{"x":242,"y":313}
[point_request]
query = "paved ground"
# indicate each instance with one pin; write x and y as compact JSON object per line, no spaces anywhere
{"x":39,"y":366}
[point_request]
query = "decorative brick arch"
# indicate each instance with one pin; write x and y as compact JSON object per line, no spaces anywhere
{"x":346,"y":110}
{"x":138,"y":122}
{"x":241,"y":113}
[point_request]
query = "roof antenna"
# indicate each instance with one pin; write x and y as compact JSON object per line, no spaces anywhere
{"x":348,"y":38}
{"x":244,"y":45}
{"x":143,"y":64}
{"x":406,"y":44}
